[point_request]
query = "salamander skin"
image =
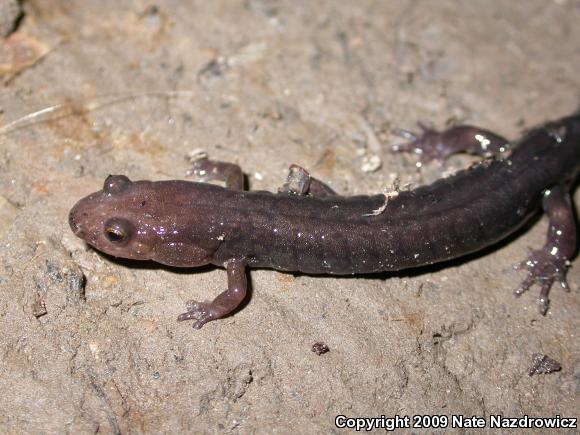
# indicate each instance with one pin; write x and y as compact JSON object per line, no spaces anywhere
{"x":307,"y":227}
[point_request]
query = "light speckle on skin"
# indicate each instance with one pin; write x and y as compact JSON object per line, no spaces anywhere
{"x":554,"y":251}
{"x":484,"y":141}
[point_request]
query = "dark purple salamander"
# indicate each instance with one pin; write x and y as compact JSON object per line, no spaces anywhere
{"x":306,"y":227}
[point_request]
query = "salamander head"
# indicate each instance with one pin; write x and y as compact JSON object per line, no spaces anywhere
{"x":134,"y":220}
{"x":107,"y":221}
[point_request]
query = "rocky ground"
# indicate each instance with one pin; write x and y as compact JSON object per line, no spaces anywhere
{"x":90,"y":344}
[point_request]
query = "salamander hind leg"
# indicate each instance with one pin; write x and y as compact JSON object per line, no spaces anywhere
{"x":224,"y":303}
{"x":300,"y":182}
{"x":550,"y":264}
{"x":435,"y":146}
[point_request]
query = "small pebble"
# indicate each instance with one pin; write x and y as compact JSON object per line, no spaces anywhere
{"x":320,"y":348}
{"x":371,"y":163}
{"x":542,"y":364}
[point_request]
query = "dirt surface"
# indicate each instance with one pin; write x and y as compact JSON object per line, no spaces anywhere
{"x":90,"y":344}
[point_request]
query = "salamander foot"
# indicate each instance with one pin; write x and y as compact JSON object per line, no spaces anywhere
{"x":544,"y":269}
{"x":212,"y":170}
{"x":426,"y":145}
{"x":199,"y":311}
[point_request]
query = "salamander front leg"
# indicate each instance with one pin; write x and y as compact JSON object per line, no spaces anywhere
{"x":436,"y":146}
{"x":209,"y":170}
{"x":299,"y":182}
{"x":224,"y":303}
{"x":551,"y":263}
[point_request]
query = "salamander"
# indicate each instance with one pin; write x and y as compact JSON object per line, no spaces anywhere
{"x":307,"y":227}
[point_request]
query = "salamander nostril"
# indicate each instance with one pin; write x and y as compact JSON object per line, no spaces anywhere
{"x":72,"y":222}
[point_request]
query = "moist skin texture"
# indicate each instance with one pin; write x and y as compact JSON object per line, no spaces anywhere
{"x":307,"y":227}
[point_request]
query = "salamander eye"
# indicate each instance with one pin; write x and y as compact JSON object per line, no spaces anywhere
{"x":118,"y":230}
{"x":115,"y":184}
{"x":114,"y":235}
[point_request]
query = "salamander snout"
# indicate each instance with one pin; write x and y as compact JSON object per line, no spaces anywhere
{"x":73,"y":222}
{"x":78,"y":219}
